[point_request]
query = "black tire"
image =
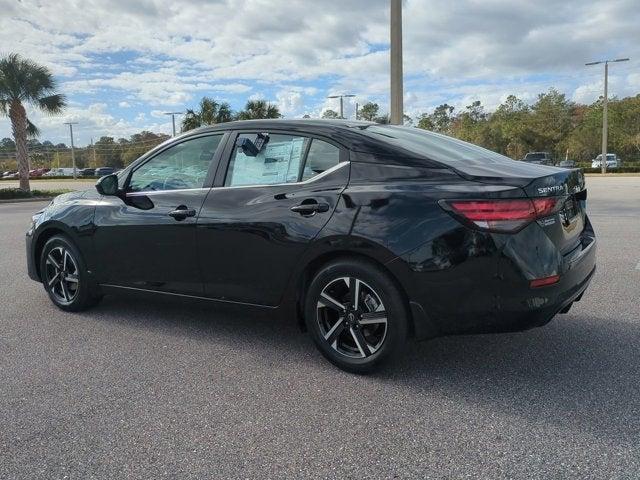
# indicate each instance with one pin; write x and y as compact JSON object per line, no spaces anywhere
{"x":352,"y":345}
{"x":64,"y":276}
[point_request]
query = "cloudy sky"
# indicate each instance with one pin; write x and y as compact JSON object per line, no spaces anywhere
{"x":121,"y":63}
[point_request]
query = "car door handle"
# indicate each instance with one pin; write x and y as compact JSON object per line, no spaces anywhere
{"x":310,"y":208}
{"x":182,"y":212}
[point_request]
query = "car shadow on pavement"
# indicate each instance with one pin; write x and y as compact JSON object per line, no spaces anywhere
{"x":578,"y":372}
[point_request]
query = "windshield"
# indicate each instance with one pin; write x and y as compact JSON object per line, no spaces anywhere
{"x":535,"y":156}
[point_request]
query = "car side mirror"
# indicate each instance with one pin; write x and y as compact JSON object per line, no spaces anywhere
{"x":108,"y":185}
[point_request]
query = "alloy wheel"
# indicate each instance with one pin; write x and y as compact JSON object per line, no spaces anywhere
{"x":62,"y":275}
{"x":352,"y":317}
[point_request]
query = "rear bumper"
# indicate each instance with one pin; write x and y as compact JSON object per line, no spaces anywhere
{"x":491,"y":293}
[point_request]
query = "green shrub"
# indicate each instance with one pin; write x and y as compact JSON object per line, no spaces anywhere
{"x":13,"y":193}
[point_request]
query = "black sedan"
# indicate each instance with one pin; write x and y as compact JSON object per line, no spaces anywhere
{"x":367,"y":234}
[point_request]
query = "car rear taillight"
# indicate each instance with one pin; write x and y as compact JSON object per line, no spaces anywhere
{"x":504,"y":215}
{"x":543,"y":282}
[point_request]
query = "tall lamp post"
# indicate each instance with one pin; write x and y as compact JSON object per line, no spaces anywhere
{"x":341,"y":101}
{"x":173,"y":120}
{"x":396,"y":63}
{"x":605,"y":101}
{"x":73,"y":153}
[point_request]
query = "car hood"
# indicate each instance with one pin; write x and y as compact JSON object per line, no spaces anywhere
{"x":68,"y":197}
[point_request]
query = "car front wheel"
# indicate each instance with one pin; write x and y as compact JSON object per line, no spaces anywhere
{"x":356,"y":315}
{"x":64,"y":275}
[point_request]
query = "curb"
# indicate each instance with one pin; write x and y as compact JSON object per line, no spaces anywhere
{"x":26,"y":200}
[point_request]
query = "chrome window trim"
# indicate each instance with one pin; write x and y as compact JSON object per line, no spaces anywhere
{"x":305,"y":182}
{"x":155,"y":192}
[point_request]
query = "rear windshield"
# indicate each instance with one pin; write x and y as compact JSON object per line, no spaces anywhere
{"x":535,"y":156}
{"x":433,"y":145}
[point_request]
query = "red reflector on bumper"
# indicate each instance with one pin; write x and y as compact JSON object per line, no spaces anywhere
{"x":543,"y":282}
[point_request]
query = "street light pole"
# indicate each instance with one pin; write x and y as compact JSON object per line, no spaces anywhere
{"x":73,"y":154}
{"x":396,"y":62}
{"x":173,"y":120}
{"x":347,"y":95}
{"x":605,"y":108}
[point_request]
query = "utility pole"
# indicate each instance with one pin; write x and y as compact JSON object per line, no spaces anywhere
{"x":605,"y":102}
{"x":357,"y":111}
{"x":347,"y":95}
{"x":93,"y":148}
{"x":73,"y":155}
{"x":173,"y":120}
{"x":396,"y":63}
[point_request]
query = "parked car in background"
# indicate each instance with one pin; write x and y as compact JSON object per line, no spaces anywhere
{"x":87,"y":172}
{"x":538,"y":158}
{"x":613,"y":161}
{"x":367,"y":233}
{"x":102,"y":171}
{"x":10,"y":174}
{"x":36,"y":172}
{"x":567,"y":164}
{"x":60,"y":172}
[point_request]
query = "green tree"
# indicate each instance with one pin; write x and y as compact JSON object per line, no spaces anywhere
{"x":551,"y":121}
{"x":369,"y":111}
{"x":23,"y":81}
{"x":256,"y":109}
{"x":439,"y":121}
{"x":109,"y":152}
{"x":7,"y":144}
{"x":209,"y":112}
{"x":510,"y":121}
{"x":330,"y":114}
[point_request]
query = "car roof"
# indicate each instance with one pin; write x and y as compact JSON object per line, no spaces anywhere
{"x":348,"y":133}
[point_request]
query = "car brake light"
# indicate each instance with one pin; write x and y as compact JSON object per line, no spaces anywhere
{"x":502,"y":215}
{"x":542,"y":282}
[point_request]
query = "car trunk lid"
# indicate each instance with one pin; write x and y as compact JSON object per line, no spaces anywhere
{"x":567,"y":222}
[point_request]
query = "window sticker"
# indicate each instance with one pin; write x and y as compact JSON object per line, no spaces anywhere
{"x":277,"y":162}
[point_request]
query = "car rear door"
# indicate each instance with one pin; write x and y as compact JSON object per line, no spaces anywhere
{"x":264,"y":210}
{"x":146,"y":239}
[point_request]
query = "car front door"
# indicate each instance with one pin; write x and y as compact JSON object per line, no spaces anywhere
{"x":146,"y":238}
{"x":270,"y":200}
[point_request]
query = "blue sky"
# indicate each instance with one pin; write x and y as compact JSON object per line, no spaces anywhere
{"x":122,"y":63}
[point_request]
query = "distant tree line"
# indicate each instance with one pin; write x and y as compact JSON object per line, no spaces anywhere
{"x":552,"y":123}
{"x":107,"y":151}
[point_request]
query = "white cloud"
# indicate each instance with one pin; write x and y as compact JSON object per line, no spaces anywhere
{"x":155,"y":54}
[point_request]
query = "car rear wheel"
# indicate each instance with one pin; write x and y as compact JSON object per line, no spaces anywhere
{"x":64,"y":275}
{"x":356,"y":315}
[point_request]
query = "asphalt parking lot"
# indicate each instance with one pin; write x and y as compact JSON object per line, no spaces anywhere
{"x":140,"y":389}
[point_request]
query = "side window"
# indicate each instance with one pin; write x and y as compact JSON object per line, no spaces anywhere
{"x":184,"y":165}
{"x":322,"y":156}
{"x":278,"y":161}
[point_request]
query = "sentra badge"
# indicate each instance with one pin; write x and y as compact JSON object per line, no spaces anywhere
{"x":553,"y":189}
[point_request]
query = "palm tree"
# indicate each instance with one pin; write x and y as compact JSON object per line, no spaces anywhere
{"x":255,"y":109}
{"x":209,"y":113}
{"x":23,"y":81}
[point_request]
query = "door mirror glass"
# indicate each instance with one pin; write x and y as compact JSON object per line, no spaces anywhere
{"x":108,"y":185}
